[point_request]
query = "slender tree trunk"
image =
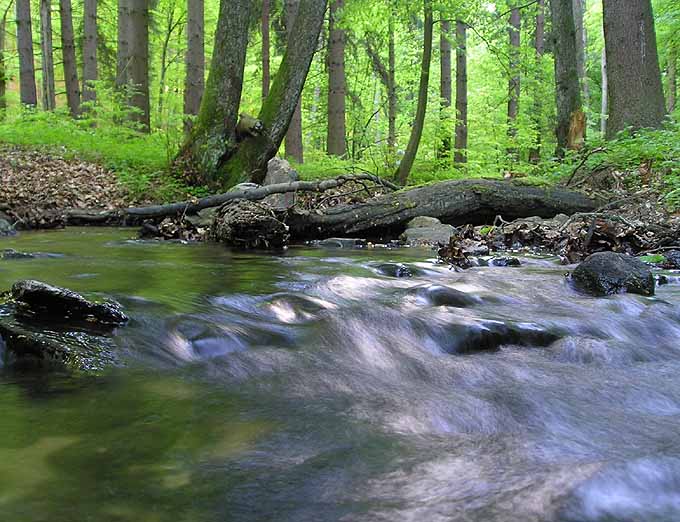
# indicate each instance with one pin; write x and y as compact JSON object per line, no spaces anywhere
{"x":48,"y":93}
{"x":69,"y":57}
{"x":460,"y":156}
{"x":570,"y":116}
{"x":194,"y":82}
{"x":539,"y":46}
{"x":266,"y":43}
{"x":138,"y":68}
{"x":391,"y":90}
{"x":253,"y":154}
{"x":514,"y":30}
{"x":3,"y":72}
{"x":672,"y":79}
{"x":294,"y":149}
{"x":407,"y":161}
{"x":90,"y":73}
{"x":27,"y":89}
{"x":123,"y":44}
{"x":336,"y":82}
{"x":579,"y":9}
{"x":445,"y":89}
{"x":604,"y":112}
{"x":635,"y":92}
{"x":165,"y":49}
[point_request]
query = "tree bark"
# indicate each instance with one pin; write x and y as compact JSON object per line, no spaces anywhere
{"x":90,"y":72}
{"x":194,"y":82}
{"x":391,"y":89}
{"x":69,"y":57}
{"x":461,"y":144}
{"x":445,"y":88}
{"x":3,"y":72}
{"x":49,"y":102}
{"x":454,"y":202}
{"x":407,"y":161}
{"x":123,"y":44}
{"x":570,"y":117}
{"x":539,"y":47}
{"x":138,"y":63}
{"x":579,"y":9}
{"x":293,"y":145}
{"x":514,"y":31}
{"x":672,"y":93}
{"x":252,"y":155}
{"x":336,"y":83}
{"x":266,"y":44}
{"x":635,"y":92}
{"x":604,"y":111}
{"x":27,"y":90}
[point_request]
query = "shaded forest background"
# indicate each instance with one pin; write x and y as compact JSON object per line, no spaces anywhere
{"x":354,"y":114}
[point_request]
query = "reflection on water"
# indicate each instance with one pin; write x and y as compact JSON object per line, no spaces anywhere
{"x":314,"y":386}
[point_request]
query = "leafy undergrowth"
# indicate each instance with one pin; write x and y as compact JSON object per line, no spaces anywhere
{"x":139,"y":161}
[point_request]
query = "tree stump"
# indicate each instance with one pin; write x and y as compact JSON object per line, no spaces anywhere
{"x":248,"y":225}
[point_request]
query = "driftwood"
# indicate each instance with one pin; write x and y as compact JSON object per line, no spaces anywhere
{"x":475,"y":202}
{"x":135,"y":215}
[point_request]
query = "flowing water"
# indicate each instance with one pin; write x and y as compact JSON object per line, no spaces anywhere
{"x":314,"y":386}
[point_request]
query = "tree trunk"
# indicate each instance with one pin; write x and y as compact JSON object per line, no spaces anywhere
{"x":570,"y":116}
{"x":123,"y":44}
{"x":672,"y":79}
{"x":252,"y":155}
{"x":579,"y":10}
{"x":635,"y":92}
{"x":445,"y":89}
{"x":417,"y":131}
{"x":604,"y":112}
{"x":539,"y":47}
{"x":391,"y":90}
{"x":27,"y":89}
{"x":453,"y":202}
{"x":514,"y":31}
{"x":90,"y":73}
{"x":49,"y":102}
{"x":336,"y":82}
{"x":294,"y":148}
{"x":68,"y":50}
{"x":266,"y":74}
{"x":194,"y":82}
{"x":138,"y":63}
{"x":3,"y":73}
{"x":461,"y":144}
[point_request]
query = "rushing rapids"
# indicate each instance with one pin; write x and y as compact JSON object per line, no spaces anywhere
{"x":336,"y":384}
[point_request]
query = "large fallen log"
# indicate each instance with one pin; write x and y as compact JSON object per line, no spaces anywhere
{"x":454,"y":202}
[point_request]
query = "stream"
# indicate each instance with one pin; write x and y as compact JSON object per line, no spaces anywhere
{"x":317,"y":386}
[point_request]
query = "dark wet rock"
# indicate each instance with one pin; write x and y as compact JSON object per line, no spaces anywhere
{"x":249,"y":224}
{"x":485,"y":335}
{"x":35,"y":298}
{"x":505,"y":261}
{"x":30,"y":344}
{"x":394,"y":270}
{"x":475,"y":248}
{"x":672,"y":260}
{"x":342,"y":242}
{"x":280,"y":171}
{"x":427,"y":231}
{"x":662,"y":280}
{"x":149,"y":231}
{"x":438,"y":295}
{"x":6,"y":228}
{"x":607,"y":273}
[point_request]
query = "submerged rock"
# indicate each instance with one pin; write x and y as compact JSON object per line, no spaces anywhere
{"x":504,"y":261}
{"x":342,"y":242}
{"x":607,"y":273}
{"x":35,"y":298}
{"x":26,"y":343}
{"x":10,"y":253}
{"x":438,"y":295}
{"x":394,"y":270}
{"x":249,"y":224}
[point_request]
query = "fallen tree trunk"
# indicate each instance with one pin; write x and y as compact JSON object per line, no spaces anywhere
{"x":454,"y":202}
{"x":135,"y":215}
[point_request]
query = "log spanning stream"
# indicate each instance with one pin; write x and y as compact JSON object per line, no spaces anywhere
{"x":316,"y":386}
